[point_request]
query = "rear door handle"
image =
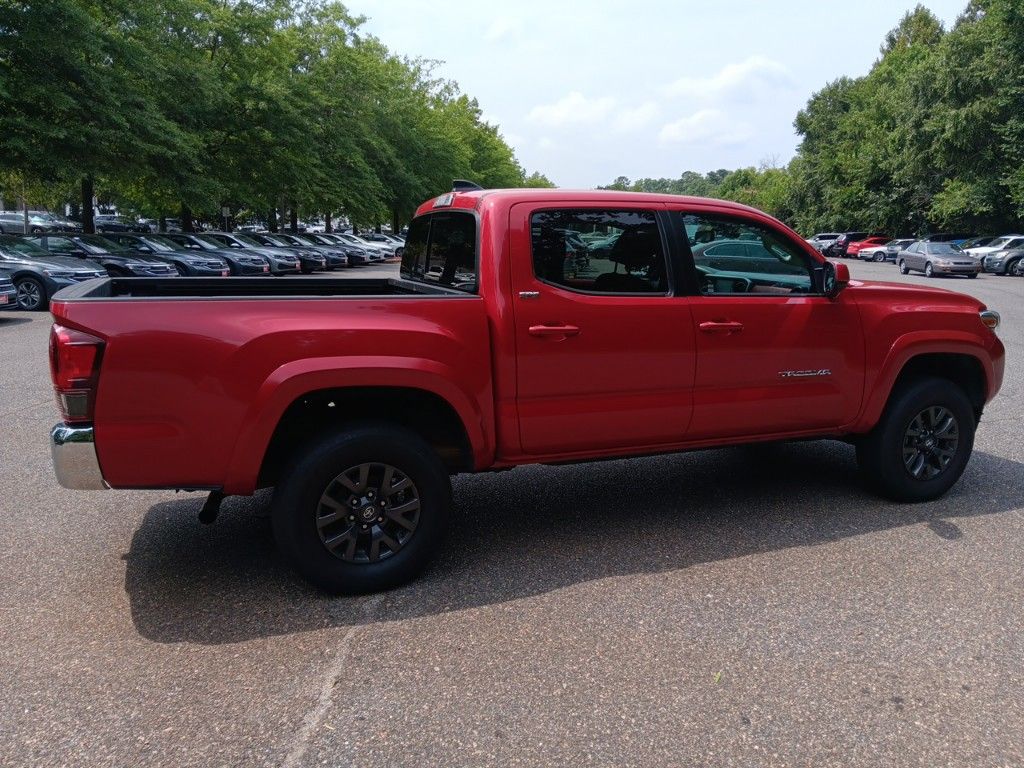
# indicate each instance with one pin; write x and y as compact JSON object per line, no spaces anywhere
{"x":554,"y":330}
{"x":711,"y":326}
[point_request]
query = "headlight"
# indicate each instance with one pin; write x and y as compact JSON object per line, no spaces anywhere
{"x":943,"y":262}
{"x":58,"y":273}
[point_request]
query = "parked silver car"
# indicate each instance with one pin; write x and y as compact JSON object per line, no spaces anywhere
{"x":885,"y":252}
{"x":936,"y":259}
{"x":822,"y":240}
{"x":1003,"y":262}
{"x":13,"y":222}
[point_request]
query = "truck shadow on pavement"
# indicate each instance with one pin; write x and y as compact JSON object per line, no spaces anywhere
{"x":537,"y":529}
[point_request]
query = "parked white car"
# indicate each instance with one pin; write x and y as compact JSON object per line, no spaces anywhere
{"x":1003,"y":243}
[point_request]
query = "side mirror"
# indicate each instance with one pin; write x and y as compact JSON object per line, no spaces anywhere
{"x":837,"y":277}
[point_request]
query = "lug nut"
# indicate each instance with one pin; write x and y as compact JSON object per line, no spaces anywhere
{"x":380,"y":519}
{"x":365,"y":526}
{"x":351,"y":518}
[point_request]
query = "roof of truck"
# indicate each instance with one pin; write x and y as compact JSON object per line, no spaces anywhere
{"x":472,"y":199}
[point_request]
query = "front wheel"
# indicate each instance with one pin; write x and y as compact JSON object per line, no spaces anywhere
{"x":1011,"y":267}
{"x":903,"y":267}
{"x":928,"y":270}
{"x":31,"y":294}
{"x":879,"y":256}
{"x":922,"y":443}
{"x":362,"y":510}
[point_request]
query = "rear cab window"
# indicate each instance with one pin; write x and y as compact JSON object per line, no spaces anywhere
{"x":441,"y":249}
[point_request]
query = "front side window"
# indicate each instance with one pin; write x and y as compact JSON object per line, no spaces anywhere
{"x":599,"y":251}
{"x":734,"y":256}
{"x":442,"y":250}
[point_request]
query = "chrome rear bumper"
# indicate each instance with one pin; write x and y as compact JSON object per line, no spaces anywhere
{"x":74,"y":458}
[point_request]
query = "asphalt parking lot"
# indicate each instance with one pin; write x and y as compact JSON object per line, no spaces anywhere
{"x":738,"y":607}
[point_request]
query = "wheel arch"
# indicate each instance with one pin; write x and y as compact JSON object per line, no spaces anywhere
{"x":293,"y":405}
{"x":961,"y":361}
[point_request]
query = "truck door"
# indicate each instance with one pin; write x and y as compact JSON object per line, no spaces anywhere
{"x":774,"y":355}
{"x":605,"y":352}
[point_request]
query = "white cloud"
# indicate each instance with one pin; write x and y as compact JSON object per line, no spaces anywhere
{"x":711,"y":126}
{"x":756,"y":73}
{"x":573,"y":108}
{"x":630,"y":120}
{"x":546,"y":143}
{"x":503,"y":28}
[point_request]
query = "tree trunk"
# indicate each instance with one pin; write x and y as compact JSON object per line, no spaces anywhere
{"x":282,"y":213}
{"x":327,"y":223}
{"x":272,"y":220}
{"x":294,"y":222}
{"x":394,"y":221}
{"x":88,"y":226}
{"x":186,"y":219}
{"x":162,"y":226}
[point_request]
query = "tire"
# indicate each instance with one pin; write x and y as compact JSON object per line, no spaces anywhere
{"x":903,"y":267}
{"x":885,"y":456}
{"x":928,"y":270}
{"x":313,"y":484}
{"x":31,"y":294}
{"x":973,"y":275}
{"x":1011,"y":267}
{"x":182,"y":270}
{"x":879,"y":256}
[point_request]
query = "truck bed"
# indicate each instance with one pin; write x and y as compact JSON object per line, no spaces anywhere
{"x":248,"y":288}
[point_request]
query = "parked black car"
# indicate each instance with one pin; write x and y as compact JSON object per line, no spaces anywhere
{"x":356,"y":255}
{"x":310,"y":258}
{"x":109,"y":222}
{"x":117,"y":260}
{"x":8,"y":294}
{"x":37,"y":274}
{"x":188,"y":263}
{"x":281,"y":261}
{"x":336,"y":255}
{"x":241,"y":262}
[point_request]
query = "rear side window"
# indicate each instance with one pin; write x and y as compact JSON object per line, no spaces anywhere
{"x":441,"y":249}
{"x":599,"y":251}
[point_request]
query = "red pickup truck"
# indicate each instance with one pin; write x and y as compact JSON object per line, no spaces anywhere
{"x":525,"y":326}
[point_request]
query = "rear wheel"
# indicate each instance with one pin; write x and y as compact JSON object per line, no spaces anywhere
{"x":903,"y":267}
{"x":363,"y":510}
{"x":31,"y":294}
{"x":922,"y":443}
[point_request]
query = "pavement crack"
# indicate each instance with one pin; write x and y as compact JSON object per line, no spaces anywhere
{"x":311,"y":722}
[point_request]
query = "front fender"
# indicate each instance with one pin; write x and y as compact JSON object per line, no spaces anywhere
{"x":297,"y":378}
{"x":910,"y":345}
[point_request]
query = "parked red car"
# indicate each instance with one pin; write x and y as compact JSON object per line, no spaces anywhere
{"x":357,"y":399}
{"x":853,"y":249}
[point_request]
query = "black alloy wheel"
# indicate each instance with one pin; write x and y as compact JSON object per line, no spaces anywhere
{"x":362,"y":509}
{"x":930,"y":442}
{"x":922,"y":442}
{"x":31,"y":294}
{"x":368,"y":513}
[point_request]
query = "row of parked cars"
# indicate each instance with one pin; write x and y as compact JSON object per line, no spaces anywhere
{"x":949,"y":253}
{"x":35,"y":266}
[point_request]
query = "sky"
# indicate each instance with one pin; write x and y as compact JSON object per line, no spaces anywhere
{"x":588,"y":91}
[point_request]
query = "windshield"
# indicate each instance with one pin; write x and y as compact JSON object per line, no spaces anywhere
{"x":97,"y":244}
{"x":16,"y":246}
{"x":248,"y":240}
{"x":161,"y":244}
{"x":441,"y":249}
{"x":280,"y":243}
{"x":943,"y":248}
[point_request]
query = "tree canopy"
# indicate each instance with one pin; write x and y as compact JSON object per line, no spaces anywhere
{"x":257,"y":105}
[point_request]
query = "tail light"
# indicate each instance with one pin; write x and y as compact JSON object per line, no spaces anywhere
{"x":75,"y":368}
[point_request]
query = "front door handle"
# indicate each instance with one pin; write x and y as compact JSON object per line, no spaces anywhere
{"x":548,"y":331}
{"x":713,"y":326}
